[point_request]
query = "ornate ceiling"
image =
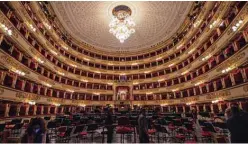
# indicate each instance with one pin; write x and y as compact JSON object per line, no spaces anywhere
{"x":89,"y":22}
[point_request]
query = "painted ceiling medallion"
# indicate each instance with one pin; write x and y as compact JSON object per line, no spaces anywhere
{"x":122,"y":24}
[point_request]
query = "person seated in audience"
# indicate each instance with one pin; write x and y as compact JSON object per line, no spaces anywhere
{"x":143,"y":127}
{"x":237,"y":124}
{"x":228,"y":113}
{"x":109,"y":122}
{"x":194,"y":114}
{"x":36,"y":132}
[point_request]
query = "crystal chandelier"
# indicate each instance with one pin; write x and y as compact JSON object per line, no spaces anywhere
{"x":122,"y":25}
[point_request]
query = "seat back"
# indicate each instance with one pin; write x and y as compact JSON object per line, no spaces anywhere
{"x":2,"y":127}
{"x":123,"y":121}
{"x":92,"y":127}
{"x":51,"y":125}
{"x":79,"y":129}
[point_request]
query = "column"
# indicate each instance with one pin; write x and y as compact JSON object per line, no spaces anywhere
{"x":2,"y":77}
{"x":18,"y":108}
{"x":41,"y":109}
{"x":7,"y":107}
{"x":48,"y":109}
{"x":244,"y":75}
{"x":27,"y":110}
{"x":232,"y":79}
{"x":23,"y":85}
{"x":219,"y":107}
{"x":14,"y":81}
{"x":240,"y":105}
{"x":35,"y":109}
{"x":197,"y":108}
{"x":204,"y":107}
{"x":184,"y":111}
{"x":176,"y":109}
{"x":62,"y":110}
{"x":212,"y":108}
{"x":55,"y":110}
{"x":169,"y":109}
{"x":223,"y":83}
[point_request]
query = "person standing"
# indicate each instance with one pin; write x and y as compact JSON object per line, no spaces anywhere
{"x":237,"y":124}
{"x":143,"y":127}
{"x":36,"y":132}
{"x":109,"y":125}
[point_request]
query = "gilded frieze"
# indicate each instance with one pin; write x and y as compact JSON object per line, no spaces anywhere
{"x":10,"y":62}
{"x":56,"y":100}
{"x":232,"y":61}
{"x":27,"y":96}
{"x":221,"y":94}
{"x":245,"y":88}
{"x":42,"y":78}
{"x":189,"y":99}
{"x":203,"y":78}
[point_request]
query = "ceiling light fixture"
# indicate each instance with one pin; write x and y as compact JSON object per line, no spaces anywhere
{"x":122,"y":24}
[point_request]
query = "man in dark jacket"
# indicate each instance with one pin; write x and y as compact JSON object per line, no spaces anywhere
{"x":238,"y":125}
{"x":143,"y":127}
{"x":109,"y":125}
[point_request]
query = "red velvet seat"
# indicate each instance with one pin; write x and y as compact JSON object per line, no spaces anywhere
{"x":62,"y":134}
{"x":83,"y":133}
{"x":151,"y":131}
{"x":190,"y":141}
{"x":124,"y":129}
{"x":206,"y":134}
{"x":180,"y":136}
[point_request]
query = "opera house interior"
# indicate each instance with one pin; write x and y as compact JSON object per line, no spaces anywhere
{"x":123,"y":72}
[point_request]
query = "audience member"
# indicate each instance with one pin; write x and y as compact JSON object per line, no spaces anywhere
{"x":143,"y":127}
{"x":36,"y":132}
{"x":238,"y":125}
{"x":228,"y":113}
{"x":109,"y":125}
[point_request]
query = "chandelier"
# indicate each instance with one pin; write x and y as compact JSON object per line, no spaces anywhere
{"x":122,"y":25}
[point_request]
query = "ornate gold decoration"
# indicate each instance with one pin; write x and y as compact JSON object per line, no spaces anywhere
{"x":56,"y":100}
{"x":218,"y":94}
{"x":9,"y":61}
{"x":245,"y":88}
{"x":189,"y":99}
{"x":46,"y":80}
{"x":1,"y":91}
{"x":230,"y":62}
{"x":27,"y":96}
{"x":200,"y":78}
